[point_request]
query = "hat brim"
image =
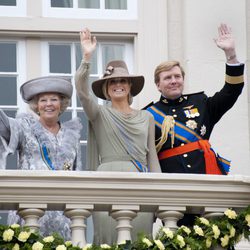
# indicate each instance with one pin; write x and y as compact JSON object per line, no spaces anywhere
{"x":60,"y":85}
{"x":136,"y":87}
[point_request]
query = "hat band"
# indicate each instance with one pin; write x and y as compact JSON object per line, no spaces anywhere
{"x":117,"y":72}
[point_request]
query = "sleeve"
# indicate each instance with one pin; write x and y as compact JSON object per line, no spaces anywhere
{"x":92,"y":150}
{"x":82,"y":87}
{"x":10,"y":137}
{"x":4,"y":126}
{"x":224,"y":100}
{"x":3,"y":153}
{"x":78,"y":160}
{"x":152,"y":157}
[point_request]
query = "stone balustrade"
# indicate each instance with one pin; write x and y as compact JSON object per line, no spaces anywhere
{"x":122,"y":194}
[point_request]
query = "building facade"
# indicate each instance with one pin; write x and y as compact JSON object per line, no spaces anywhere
{"x":42,"y":38}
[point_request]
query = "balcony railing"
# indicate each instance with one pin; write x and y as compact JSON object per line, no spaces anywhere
{"x":123,"y":194}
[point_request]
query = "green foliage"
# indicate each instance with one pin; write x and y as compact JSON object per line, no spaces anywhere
{"x":225,"y":231}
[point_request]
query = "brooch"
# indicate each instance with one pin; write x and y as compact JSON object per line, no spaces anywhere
{"x":67,"y":166}
{"x":109,"y":71}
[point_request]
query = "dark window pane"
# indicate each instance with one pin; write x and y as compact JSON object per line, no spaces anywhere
{"x":65,"y":116}
{"x":8,"y":57}
{"x":116,"y":4}
{"x":84,"y":156}
{"x":8,"y":2}
{"x":78,"y":54}
{"x":93,"y":68}
{"x":60,"y":58}
{"x":8,"y":91}
{"x":91,"y":79}
{"x":89,"y":4}
{"x":84,"y":122}
{"x":3,"y":217}
{"x":12,"y":161}
{"x":62,"y":3}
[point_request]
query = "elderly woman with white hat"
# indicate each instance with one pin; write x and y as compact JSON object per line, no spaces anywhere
{"x":44,"y":143}
{"x":122,"y":136}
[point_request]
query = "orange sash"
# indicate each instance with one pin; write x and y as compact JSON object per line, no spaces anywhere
{"x":204,"y":145}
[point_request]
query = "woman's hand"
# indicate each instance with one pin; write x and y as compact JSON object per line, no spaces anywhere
{"x":88,"y":44}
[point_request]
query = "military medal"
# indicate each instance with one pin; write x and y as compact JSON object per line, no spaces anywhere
{"x":192,"y":113}
{"x":191,"y":124}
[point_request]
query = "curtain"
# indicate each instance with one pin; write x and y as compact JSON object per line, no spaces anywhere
{"x":8,"y":3}
{"x":89,"y":4}
{"x":62,"y":3}
{"x":112,"y":52}
{"x":116,"y":4}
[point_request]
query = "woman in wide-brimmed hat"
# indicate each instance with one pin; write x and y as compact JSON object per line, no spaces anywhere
{"x":123,"y":136}
{"x":43,"y":143}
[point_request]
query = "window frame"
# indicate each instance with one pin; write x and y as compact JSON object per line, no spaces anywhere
{"x":80,"y":13}
{"x":20,"y":72}
{"x":20,"y":10}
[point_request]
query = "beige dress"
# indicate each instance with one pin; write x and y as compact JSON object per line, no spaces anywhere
{"x":117,"y":142}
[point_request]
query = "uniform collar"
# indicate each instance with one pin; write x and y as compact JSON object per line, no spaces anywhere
{"x":177,"y":101}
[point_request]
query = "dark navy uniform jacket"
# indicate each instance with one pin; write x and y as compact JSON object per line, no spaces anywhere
{"x":208,"y":110}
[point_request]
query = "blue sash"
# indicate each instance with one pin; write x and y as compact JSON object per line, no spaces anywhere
{"x":224,"y":163}
{"x":184,"y":134}
{"x":139,"y":166}
{"x":45,"y":157}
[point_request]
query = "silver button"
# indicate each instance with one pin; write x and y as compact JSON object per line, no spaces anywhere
{"x":189,"y":166}
{"x":182,"y":144}
{"x":174,"y":115}
{"x":185,"y":155}
{"x":173,"y":110}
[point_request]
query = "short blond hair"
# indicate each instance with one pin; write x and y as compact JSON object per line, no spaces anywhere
{"x":166,"y":66}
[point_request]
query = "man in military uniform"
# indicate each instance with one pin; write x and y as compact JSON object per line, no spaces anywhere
{"x":184,"y":123}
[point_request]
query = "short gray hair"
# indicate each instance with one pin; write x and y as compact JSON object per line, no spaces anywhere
{"x":65,"y":102}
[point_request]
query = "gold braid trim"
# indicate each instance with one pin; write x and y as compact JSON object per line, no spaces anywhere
{"x":234,"y":79}
{"x":167,"y":126}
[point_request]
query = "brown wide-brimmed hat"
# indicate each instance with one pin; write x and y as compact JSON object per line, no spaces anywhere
{"x":118,"y":69}
{"x":46,"y":84}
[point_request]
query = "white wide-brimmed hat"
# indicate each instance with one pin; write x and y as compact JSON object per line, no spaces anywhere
{"x":118,"y":69}
{"x":46,"y":84}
